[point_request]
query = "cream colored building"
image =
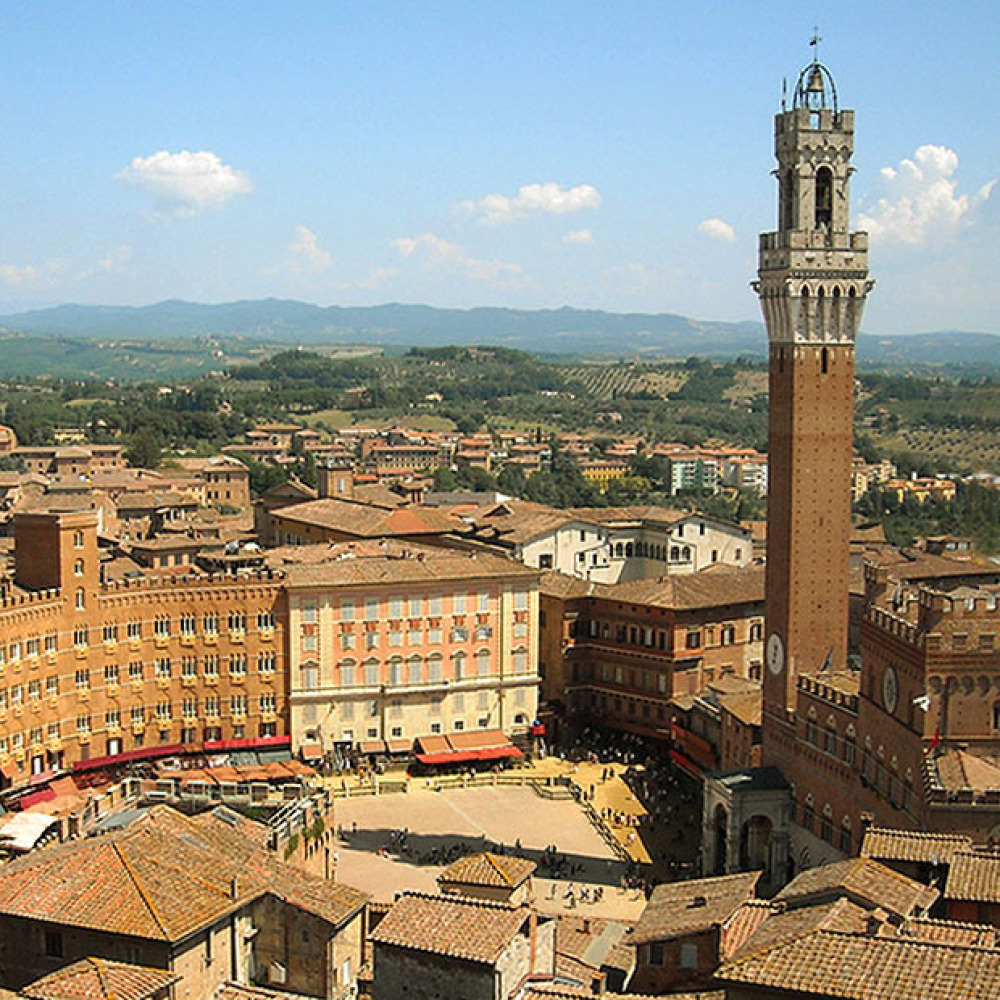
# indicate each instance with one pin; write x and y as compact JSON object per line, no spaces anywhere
{"x":391,"y":641}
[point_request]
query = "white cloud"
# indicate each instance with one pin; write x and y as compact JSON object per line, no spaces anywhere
{"x":922,"y":204}
{"x":185,"y":183}
{"x":307,"y":254}
{"x":717,"y":229}
{"x":437,"y":252}
{"x":113,"y":261}
{"x":579,"y":237}
{"x":32,"y":274}
{"x":533,"y":199}
{"x":377,"y":278}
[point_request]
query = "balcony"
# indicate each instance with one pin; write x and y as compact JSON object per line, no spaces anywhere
{"x":212,"y":680}
{"x":188,"y":680}
{"x":187,"y":640}
{"x":163,"y":682}
{"x":112,"y":689}
{"x":83,"y":736}
{"x":83,"y":694}
{"x":161,"y":641}
{"x":81,"y":652}
{"x":267,"y":634}
{"x":138,"y":728}
{"x":33,"y":662}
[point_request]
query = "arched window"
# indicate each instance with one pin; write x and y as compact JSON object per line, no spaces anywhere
{"x":786,"y":207}
{"x":845,"y":835}
{"x":619,"y":550}
{"x":686,"y":553}
{"x":824,"y":198}
{"x":78,"y":568}
{"x":459,"y":661}
{"x":415,"y":670}
{"x":826,"y":824}
{"x":675,"y":553}
{"x":81,"y":599}
{"x":628,"y":551}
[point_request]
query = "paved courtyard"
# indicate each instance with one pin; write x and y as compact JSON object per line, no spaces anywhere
{"x":465,"y":820}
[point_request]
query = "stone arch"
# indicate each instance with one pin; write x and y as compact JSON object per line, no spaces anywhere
{"x":755,"y":843}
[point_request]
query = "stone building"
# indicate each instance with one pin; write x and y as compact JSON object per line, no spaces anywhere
{"x":391,"y":641}
{"x":625,"y":653}
{"x":140,"y":666}
{"x":429,"y":947}
{"x":192,"y":896}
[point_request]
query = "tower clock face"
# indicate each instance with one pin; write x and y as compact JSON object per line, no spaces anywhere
{"x":775,"y":653}
{"x":890,"y":689}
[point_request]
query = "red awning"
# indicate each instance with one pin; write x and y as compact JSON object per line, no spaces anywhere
{"x":33,"y":798}
{"x":42,"y":778}
{"x":248,"y":743}
{"x":467,"y":756}
{"x":684,"y":764}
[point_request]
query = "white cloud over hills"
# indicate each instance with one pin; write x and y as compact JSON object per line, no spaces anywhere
{"x":435,"y":252}
{"x":185,"y":183}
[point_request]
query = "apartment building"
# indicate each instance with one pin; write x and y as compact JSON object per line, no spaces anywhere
{"x":391,"y":641}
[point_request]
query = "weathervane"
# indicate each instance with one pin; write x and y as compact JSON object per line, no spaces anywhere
{"x":814,"y":42}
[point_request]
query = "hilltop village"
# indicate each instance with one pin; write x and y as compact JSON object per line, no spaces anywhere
{"x":396,"y":732}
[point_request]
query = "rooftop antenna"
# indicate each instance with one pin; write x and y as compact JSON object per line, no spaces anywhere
{"x":784,"y":93}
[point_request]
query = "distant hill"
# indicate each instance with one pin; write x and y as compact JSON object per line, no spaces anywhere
{"x":563,"y":331}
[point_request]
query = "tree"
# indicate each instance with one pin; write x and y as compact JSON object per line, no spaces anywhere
{"x":144,"y":449}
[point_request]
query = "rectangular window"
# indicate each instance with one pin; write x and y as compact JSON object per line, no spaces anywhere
{"x":210,"y":623}
{"x":52,"y":686}
{"x":133,"y":630}
{"x":434,"y":636}
{"x":51,"y":643}
{"x":395,"y":607}
{"x":483,"y":603}
{"x":521,"y":600}
{"x":310,"y":612}
{"x":371,"y":609}
{"x":347,"y":609}
{"x":416,"y":607}
{"x":458,"y":604}
{"x":434,"y":607}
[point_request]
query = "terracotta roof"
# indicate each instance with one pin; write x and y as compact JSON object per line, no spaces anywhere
{"x":857,"y":967}
{"x":951,"y":932}
{"x":500,"y":870}
{"x":98,"y":979}
{"x":455,"y":926}
{"x":373,"y":563}
{"x":241,"y":991}
{"x":974,"y":875}
{"x":724,"y":585}
{"x":746,"y":706}
{"x":883,"y":844}
{"x":678,"y":908}
{"x":861,"y":880}
{"x":958,"y":769}
{"x":782,"y":924}
{"x":556,"y":584}
{"x":162,"y":877}
{"x":366,"y":520}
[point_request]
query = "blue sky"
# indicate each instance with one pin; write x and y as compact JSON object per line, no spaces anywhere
{"x":599,"y":155}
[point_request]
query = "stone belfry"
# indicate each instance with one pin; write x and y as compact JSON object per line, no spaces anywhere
{"x":813,"y":280}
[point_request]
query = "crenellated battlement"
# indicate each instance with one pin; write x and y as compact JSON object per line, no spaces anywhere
{"x":828,"y":693}
{"x":895,"y":624}
{"x":30,"y":598}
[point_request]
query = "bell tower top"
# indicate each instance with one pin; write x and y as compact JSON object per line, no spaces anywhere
{"x":815,"y":89}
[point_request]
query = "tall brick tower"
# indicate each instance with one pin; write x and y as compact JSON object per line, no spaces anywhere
{"x":813,"y":280}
